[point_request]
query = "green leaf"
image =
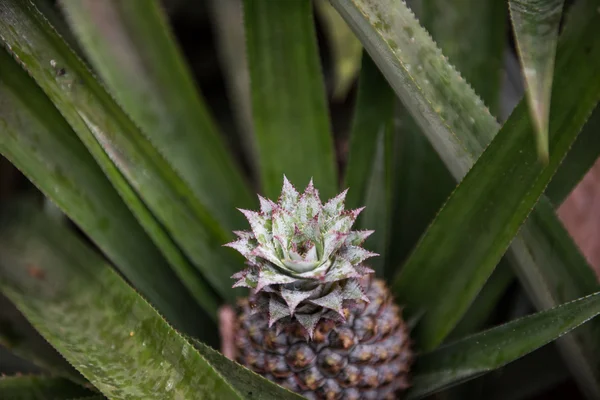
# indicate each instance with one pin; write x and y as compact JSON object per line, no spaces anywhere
{"x":536,"y":23}
{"x":484,"y":304}
{"x":132,"y":48}
{"x":112,"y":137}
{"x":39,"y":388}
{"x":534,"y":373}
{"x":472,"y":34}
{"x":36,"y":139}
{"x":345,"y":48}
{"x":584,"y":153}
{"x":475,"y":355}
{"x":244,"y":380}
{"x":291,"y":121}
{"x":100,"y":324}
{"x":450,"y":113}
{"x":228,"y":26}
{"x":20,"y":338}
{"x":546,"y":248}
{"x":369,"y":169}
{"x":492,"y":202}
{"x":422,"y":186}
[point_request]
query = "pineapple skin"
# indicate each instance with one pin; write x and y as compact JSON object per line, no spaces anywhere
{"x":366,"y":357}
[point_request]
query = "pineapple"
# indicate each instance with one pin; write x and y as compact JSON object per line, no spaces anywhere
{"x":316,"y":321}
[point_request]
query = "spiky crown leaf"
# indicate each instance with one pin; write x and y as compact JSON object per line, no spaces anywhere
{"x":305,"y":263}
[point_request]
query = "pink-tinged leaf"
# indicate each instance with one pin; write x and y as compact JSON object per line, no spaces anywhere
{"x":334,"y":316}
{"x":309,"y":204}
{"x":312,"y":230}
{"x":333,"y":242}
{"x":244,"y":235}
{"x":344,"y":222}
{"x":341,"y":269}
{"x":357,"y":238}
{"x":309,"y":322}
{"x":277,"y":310}
{"x":261,"y":226}
{"x":295,"y":297}
{"x":297,"y":263}
{"x":331,"y":301}
{"x":267,"y":253}
{"x":244,"y":246}
{"x":335,"y":205}
{"x":354,"y":291}
{"x":270,"y":276}
{"x":246,"y":278}
{"x":266,"y":205}
{"x":355,"y":254}
{"x":283,"y":225}
{"x":311,"y":254}
{"x":289,"y":196}
{"x":363,"y":270}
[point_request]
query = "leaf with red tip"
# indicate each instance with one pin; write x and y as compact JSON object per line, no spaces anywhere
{"x":246,"y":278}
{"x":309,"y":321}
{"x":354,"y":291}
{"x":355,"y":254}
{"x":335,"y":205}
{"x":341,"y":269}
{"x":244,"y":234}
{"x":268,"y":253}
{"x":309,"y":205}
{"x":283,"y":225}
{"x":331,"y":301}
{"x":333,"y":242}
{"x":266,"y":205}
{"x":277,"y":310}
{"x":344,"y":222}
{"x":294,"y":297}
{"x":357,"y":238}
{"x":260,"y":225}
{"x":289,"y":196}
{"x":245,"y":247}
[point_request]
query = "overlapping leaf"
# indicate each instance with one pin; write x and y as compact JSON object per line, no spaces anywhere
{"x":35,"y":137}
{"x":111,"y":137}
{"x":131,"y":47}
{"x":475,"y":355}
{"x":100,"y":324}
{"x":291,"y":121}
{"x":536,"y":23}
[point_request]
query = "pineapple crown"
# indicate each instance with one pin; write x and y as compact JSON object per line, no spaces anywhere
{"x":305,"y":263}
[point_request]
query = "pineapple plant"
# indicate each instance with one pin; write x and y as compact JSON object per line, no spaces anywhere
{"x":316,"y":322}
{"x":120,"y":183}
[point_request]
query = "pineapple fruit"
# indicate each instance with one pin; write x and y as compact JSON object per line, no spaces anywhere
{"x":316,"y":321}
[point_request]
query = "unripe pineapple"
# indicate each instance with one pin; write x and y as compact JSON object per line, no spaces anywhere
{"x":316,"y":322}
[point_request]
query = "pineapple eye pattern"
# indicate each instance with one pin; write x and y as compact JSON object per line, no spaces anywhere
{"x":316,"y":322}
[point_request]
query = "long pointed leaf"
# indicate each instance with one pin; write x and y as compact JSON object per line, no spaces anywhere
{"x":21,"y":339}
{"x":107,"y":131}
{"x":130,"y":45}
{"x":453,"y":118}
{"x":100,"y":324}
{"x":471,"y":33}
{"x":291,"y":121}
{"x":368,"y":174}
{"x":536,"y":23}
{"x":39,"y":388}
{"x":35,"y":137}
{"x":468,"y":358}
